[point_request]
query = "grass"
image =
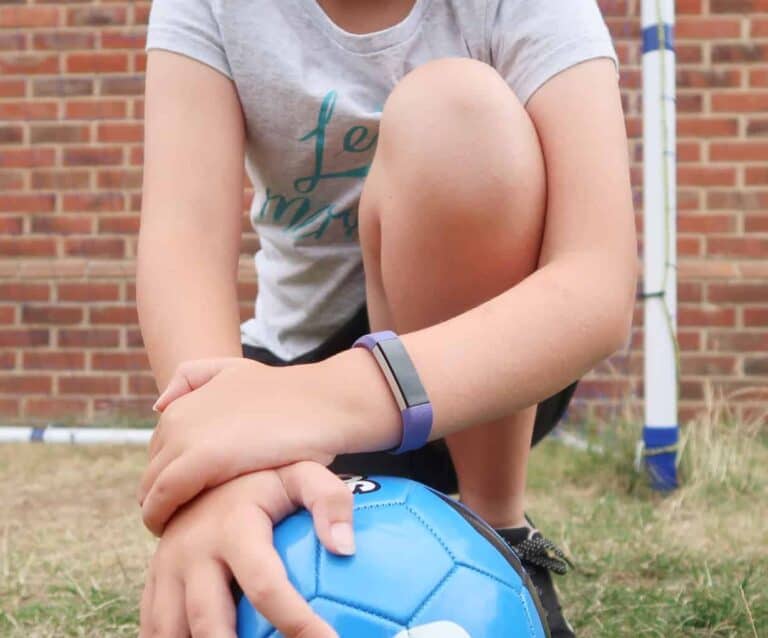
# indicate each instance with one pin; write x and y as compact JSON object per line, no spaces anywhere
{"x":693,"y":563}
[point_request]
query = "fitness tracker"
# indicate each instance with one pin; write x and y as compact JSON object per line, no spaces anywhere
{"x":403,"y":380}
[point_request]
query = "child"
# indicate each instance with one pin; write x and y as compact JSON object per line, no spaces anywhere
{"x":452,"y":171}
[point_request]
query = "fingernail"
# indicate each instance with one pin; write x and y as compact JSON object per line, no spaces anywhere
{"x":154,"y":407}
{"x":343,"y":538}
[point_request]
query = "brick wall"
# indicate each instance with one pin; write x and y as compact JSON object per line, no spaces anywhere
{"x":71,"y":82}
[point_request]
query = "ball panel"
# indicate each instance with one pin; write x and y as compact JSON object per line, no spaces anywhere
{"x":297,"y":544}
{"x":397,"y":564}
{"x":354,"y":623}
{"x":481,"y":606}
{"x":467,"y":546}
{"x":378,"y":490}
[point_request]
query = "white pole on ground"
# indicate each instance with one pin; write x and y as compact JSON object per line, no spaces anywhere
{"x":660,"y":434}
{"x":75,"y":436}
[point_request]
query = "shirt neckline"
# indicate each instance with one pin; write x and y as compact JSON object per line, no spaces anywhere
{"x":367,"y":42}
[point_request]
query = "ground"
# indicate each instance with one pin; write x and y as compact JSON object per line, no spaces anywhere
{"x":694,"y":563}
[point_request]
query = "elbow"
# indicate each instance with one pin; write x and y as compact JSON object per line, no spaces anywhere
{"x":622,"y":315}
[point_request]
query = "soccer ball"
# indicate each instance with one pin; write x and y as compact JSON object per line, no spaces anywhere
{"x":425,"y":567}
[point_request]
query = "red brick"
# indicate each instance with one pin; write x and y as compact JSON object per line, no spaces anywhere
{"x":122,"y":85}
{"x":28,"y":64}
{"x":744,"y":247}
{"x":123,"y":39}
{"x":756,"y":223}
{"x":690,"y":78}
{"x":46,"y":360}
{"x":706,"y":316}
{"x":756,"y":317}
{"x":7,"y":360}
{"x":91,"y":338}
{"x":739,"y":151}
{"x":11,"y":180}
{"x":143,"y":385}
{"x":94,"y":247}
{"x":88,"y":291}
{"x":120,"y":315}
{"x":54,"y":408}
{"x":92,"y":156}
{"x":133,"y":339}
{"x":757,"y":127}
{"x":95,"y":110}
{"x":141,"y":12}
{"x":93,"y":202}
{"x":706,"y":176}
{"x":28,"y":110}
{"x":9,"y":407}
{"x":705,"y":223}
{"x":27,"y":247}
{"x":58,"y":180}
{"x":11,"y":134}
{"x":739,"y":53}
{"x":23,"y":337}
{"x":738,"y":6}
{"x":24,"y":291}
{"x":11,"y":225}
{"x":62,"y":87}
{"x":43,"y":203}
{"x":758,"y":78}
{"x":738,"y":200}
{"x":740,"y":102}
{"x":24,"y":384}
{"x":756,"y":365}
{"x":62,"y":225}
{"x":12,"y":88}
{"x":756,"y":175}
{"x":119,"y":361}
{"x":123,"y":225}
{"x":737,"y":293}
{"x":121,"y":133}
{"x":59,"y":134}
{"x":729,"y":341}
{"x":89,"y":385}
{"x":51,"y":314}
{"x":64,"y":40}
{"x":119,"y":178}
{"x":96,"y":16}
{"x":707,"y":28}
{"x":27,"y":157}
{"x":35,"y":17}
{"x":97,"y":63}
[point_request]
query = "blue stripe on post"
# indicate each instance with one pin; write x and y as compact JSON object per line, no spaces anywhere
{"x":36,"y":435}
{"x":661,"y":456}
{"x":651,"y":38}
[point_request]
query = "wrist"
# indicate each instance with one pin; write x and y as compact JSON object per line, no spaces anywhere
{"x":371,"y":419}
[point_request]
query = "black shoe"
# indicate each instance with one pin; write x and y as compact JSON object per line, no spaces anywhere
{"x":540,"y":556}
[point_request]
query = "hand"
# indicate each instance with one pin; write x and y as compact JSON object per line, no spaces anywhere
{"x":227,"y":532}
{"x":191,"y":375}
{"x":245,"y":417}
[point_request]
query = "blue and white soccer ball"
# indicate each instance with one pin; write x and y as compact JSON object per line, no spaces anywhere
{"x":425,"y":567}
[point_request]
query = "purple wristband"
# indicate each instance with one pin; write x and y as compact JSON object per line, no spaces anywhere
{"x":403,"y":380}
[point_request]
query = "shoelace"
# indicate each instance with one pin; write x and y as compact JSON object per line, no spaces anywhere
{"x":543,"y":552}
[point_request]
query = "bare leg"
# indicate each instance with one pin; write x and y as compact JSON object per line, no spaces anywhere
{"x":452,"y":214}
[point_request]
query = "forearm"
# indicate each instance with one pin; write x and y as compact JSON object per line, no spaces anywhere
{"x":500,"y":357}
{"x":186,"y":297}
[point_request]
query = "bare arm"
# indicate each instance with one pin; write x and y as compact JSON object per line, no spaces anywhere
{"x":190,"y":218}
{"x":576,"y":309}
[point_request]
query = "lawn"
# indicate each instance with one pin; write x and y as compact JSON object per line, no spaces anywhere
{"x":695,"y":563}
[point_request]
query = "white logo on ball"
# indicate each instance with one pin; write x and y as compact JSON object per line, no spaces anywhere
{"x":435,"y":630}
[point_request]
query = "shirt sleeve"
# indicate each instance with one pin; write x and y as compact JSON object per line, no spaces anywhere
{"x":531,"y":41}
{"x":188,"y":27}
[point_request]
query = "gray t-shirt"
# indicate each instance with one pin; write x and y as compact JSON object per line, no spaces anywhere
{"x":312,"y":95}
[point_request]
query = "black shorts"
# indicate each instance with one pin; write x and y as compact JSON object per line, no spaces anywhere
{"x":431,"y":464}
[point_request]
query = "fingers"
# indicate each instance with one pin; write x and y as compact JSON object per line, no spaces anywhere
{"x":177,"y":483}
{"x":168,"y":617}
{"x":155,"y":466}
{"x":189,"y":376}
{"x":210,"y":608}
{"x":260,"y":573}
{"x":313,"y":486}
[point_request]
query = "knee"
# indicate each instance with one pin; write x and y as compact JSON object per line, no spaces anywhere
{"x":457,"y":96}
{"x":452,"y":132}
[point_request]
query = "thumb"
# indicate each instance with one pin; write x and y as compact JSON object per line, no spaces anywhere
{"x":327,"y":497}
{"x":189,"y":376}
